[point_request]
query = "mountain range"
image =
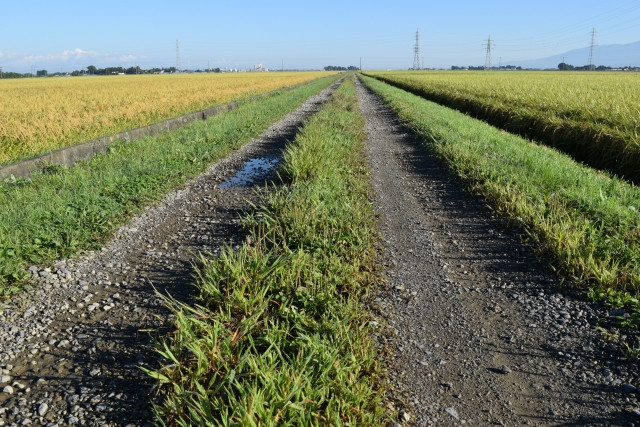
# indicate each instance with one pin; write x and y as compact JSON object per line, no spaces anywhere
{"x":613,"y":55}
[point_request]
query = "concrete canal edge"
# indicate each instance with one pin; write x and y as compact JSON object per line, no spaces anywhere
{"x":86,"y":150}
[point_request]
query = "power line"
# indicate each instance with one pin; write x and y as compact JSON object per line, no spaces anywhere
{"x":416,"y":51}
{"x":487,"y":61}
{"x":593,"y":43}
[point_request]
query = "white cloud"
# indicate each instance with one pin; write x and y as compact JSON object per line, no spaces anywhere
{"x":128,"y":58}
{"x":79,"y":54}
{"x":64,"y":56}
{"x":8,"y":55}
{"x":73,"y":58}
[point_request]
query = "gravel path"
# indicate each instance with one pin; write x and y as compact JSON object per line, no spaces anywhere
{"x":482,"y":333}
{"x":71,"y":348}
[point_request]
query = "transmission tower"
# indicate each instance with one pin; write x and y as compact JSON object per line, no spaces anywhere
{"x":593,"y":43}
{"x":416,"y":54}
{"x":487,"y":61}
{"x":178,"y":65}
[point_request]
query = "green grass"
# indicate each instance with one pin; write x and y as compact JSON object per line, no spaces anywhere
{"x":62,"y":211}
{"x":279,"y":335}
{"x":587,"y":221}
{"x":593,"y":117}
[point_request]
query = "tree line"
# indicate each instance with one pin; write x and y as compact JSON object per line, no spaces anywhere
{"x":563,"y":66}
{"x":481,"y":68}
{"x":338,"y":68}
{"x":92,"y":70}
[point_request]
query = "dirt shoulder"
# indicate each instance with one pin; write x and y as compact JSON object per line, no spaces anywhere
{"x":483,"y":332}
{"x":71,"y":350}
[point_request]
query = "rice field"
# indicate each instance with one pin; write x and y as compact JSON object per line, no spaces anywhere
{"x":594,"y":117}
{"x":43,"y":114}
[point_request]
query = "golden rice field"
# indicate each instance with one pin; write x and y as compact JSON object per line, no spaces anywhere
{"x":43,"y":114}
{"x":594,"y":116}
{"x":608,"y":98}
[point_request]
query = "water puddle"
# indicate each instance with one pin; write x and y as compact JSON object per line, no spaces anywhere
{"x":253,"y":170}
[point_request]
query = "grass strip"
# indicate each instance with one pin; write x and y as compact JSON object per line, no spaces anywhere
{"x":600,"y":132}
{"x":279,"y":335}
{"x":61,"y":211}
{"x":586,"y":220}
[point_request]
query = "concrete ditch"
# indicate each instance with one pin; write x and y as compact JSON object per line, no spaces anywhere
{"x":86,"y":150}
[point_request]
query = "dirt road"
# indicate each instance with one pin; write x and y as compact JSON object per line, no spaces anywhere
{"x":480,"y":330}
{"x":71,"y":349}
{"x":483,"y":332}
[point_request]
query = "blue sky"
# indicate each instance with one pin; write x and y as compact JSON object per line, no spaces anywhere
{"x":68,"y":35}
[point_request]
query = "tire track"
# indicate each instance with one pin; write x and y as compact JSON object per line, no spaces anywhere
{"x":481,"y":331}
{"x":71,"y":350}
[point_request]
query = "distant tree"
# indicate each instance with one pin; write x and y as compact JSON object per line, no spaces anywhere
{"x":563,"y":66}
{"x":12,"y":75}
{"x":41,"y":73}
{"x":91,"y":69}
{"x":334,"y":68}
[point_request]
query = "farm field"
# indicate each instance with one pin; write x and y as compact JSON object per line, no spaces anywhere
{"x":44,"y":114}
{"x":295,"y":314}
{"x":594,"y":117}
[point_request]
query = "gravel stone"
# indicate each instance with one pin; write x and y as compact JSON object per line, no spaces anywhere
{"x":452,"y":412}
{"x":504,"y":369}
{"x":42,"y":409}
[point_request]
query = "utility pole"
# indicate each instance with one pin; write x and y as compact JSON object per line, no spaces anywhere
{"x":361,"y":63}
{"x":416,"y":51}
{"x":178,"y":65}
{"x":487,"y":61}
{"x":593,"y":43}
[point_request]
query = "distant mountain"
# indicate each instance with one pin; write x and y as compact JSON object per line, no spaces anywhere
{"x":613,"y":55}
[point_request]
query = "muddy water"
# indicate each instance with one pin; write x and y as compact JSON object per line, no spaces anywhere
{"x":258,"y":168}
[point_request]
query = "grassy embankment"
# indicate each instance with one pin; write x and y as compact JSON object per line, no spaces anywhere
{"x":587,"y":221}
{"x":279,"y":335}
{"x":60,"y":212}
{"x":593,"y":117}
